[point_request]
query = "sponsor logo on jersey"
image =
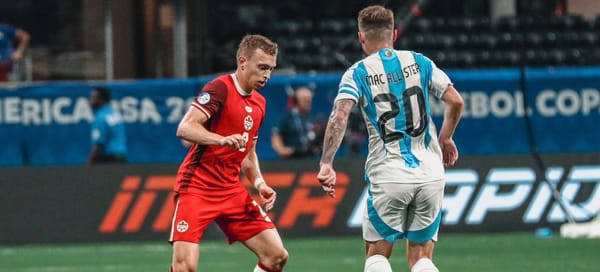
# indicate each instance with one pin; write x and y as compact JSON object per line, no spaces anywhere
{"x":203,"y":98}
{"x":248,"y":109}
{"x":248,"y":122}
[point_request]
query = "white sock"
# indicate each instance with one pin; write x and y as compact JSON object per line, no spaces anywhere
{"x":377,"y":263}
{"x":258,"y":269}
{"x":424,"y":265}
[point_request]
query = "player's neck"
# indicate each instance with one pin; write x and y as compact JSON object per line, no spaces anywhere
{"x":243,"y":85}
{"x":371,"y":48}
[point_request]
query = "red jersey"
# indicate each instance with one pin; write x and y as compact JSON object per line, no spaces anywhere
{"x":216,"y":169}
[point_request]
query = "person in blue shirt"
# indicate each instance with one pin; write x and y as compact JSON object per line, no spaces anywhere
{"x":108,"y":131}
{"x":296,"y":134}
{"x":9,"y":36}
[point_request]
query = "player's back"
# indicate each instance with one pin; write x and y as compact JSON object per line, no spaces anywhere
{"x":393,"y":89}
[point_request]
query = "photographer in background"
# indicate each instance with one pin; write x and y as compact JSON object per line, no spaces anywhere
{"x":9,"y":36}
{"x":296,"y":135}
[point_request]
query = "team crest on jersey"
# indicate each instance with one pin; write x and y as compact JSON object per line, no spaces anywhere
{"x":248,"y":122}
{"x":203,"y":98}
{"x":248,"y":109}
{"x":182,"y":226}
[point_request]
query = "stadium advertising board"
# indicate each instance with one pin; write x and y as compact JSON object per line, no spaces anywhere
{"x":48,"y":124}
{"x":134,"y":202}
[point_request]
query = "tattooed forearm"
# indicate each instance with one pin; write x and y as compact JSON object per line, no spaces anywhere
{"x":336,"y":128}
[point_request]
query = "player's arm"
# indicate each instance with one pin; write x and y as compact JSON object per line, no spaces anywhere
{"x":452,"y":113}
{"x":334,"y":134}
{"x":191,"y":128}
{"x":94,"y":155}
{"x":99,"y":132}
{"x":22,"y":38}
{"x":279,"y":147}
{"x":251,"y":169}
{"x":336,"y":129}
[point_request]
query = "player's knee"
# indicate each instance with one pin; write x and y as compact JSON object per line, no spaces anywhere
{"x":277,"y":260}
{"x":281,"y":258}
{"x":183,"y":268}
{"x":183,"y":265}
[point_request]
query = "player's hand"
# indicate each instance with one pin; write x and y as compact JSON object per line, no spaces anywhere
{"x":235,"y":141}
{"x":268,"y":196}
{"x":449,"y":152}
{"x":327,"y":178}
{"x":17,"y":55}
{"x":286,"y":151}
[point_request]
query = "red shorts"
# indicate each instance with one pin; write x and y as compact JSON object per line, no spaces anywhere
{"x":238,"y":216}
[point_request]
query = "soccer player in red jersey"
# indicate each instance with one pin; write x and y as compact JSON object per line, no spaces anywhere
{"x":222,"y":124}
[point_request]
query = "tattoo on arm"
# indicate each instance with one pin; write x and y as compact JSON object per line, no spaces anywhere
{"x":336,"y":128}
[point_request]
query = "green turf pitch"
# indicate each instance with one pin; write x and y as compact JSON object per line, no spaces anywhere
{"x":455,"y":252}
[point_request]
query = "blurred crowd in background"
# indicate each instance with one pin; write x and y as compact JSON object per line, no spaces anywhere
{"x":68,"y":36}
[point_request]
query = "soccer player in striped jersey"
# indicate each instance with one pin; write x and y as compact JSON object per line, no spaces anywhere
{"x":405,"y":164}
{"x":222,"y":125}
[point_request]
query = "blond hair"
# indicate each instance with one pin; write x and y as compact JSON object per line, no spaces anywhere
{"x":250,"y":43}
{"x":376,"y":23}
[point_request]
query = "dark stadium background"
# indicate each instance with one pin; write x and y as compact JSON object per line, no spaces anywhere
{"x":314,"y":36}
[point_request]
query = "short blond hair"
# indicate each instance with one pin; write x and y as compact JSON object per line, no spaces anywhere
{"x":376,"y":23}
{"x":250,"y":43}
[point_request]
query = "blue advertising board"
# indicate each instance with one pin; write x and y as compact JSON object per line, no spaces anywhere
{"x":49,"y":123}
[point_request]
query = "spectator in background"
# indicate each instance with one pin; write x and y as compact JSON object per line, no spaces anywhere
{"x":9,"y":36}
{"x":295,"y":136}
{"x":108,"y":131}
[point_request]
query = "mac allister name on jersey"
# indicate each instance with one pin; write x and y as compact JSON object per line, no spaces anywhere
{"x":394,"y":76}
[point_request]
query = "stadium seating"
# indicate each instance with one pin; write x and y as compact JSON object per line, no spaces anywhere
{"x":330,"y":44}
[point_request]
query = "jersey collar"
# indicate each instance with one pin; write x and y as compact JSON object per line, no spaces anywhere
{"x":238,"y":87}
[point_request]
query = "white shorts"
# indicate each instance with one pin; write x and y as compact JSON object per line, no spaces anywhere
{"x":398,"y":210}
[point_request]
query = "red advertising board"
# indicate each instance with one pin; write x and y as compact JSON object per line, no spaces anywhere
{"x":134,"y":202}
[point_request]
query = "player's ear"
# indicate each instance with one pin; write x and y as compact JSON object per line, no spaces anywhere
{"x":241,"y":61}
{"x":395,"y":35}
{"x":361,"y":37}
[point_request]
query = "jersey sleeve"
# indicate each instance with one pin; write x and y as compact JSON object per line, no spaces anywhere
{"x":439,"y":81}
{"x":348,"y":88}
{"x":211,"y":98}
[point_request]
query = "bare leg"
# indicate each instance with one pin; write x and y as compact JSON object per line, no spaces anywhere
{"x":269,"y":249}
{"x":381,"y":247}
{"x":416,"y":251}
{"x":185,"y":256}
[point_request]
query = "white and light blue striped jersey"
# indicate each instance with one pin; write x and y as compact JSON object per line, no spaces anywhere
{"x":392,"y":89}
